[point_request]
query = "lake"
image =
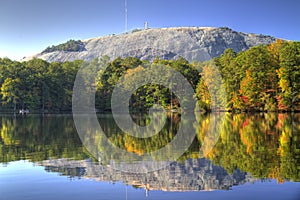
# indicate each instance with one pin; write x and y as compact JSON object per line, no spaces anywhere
{"x":231,"y":156}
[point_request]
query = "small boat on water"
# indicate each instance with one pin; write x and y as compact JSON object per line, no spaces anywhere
{"x":24,"y":111}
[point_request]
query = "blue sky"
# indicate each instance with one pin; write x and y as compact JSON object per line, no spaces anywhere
{"x":29,"y":26}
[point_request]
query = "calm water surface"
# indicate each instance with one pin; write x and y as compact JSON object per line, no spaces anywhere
{"x":255,"y":157}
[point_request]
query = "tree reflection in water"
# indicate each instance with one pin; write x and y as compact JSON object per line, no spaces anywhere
{"x":265,"y":146}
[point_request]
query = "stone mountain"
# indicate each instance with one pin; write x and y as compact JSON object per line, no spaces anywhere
{"x":192,"y":43}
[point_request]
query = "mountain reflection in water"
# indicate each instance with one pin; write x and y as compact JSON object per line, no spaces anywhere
{"x":192,"y":175}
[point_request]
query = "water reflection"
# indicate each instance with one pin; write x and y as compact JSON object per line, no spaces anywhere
{"x":190,"y":175}
{"x":260,"y":145}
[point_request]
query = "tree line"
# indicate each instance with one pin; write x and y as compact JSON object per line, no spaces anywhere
{"x":37,"y":84}
{"x":263,"y":78}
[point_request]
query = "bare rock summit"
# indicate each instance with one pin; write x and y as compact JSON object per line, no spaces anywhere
{"x":192,"y":43}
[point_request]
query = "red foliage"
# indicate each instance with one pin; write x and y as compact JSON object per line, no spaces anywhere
{"x":244,"y":99}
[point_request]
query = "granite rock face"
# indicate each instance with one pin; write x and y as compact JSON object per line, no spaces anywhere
{"x":192,"y":43}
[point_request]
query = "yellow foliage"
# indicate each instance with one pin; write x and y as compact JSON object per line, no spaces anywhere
{"x":6,"y":136}
{"x":284,"y":140}
{"x":131,"y":72}
{"x":274,"y":48}
{"x":130,"y":147}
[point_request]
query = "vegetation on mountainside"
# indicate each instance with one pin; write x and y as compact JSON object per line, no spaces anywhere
{"x":71,"y":45}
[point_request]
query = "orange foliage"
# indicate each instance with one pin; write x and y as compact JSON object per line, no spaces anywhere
{"x":130,"y":147}
{"x":275,"y":174}
{"x":131,"y":72}
{"x":246,"y":123}
{"x":281,"y":118}
{"x":281,"y":104}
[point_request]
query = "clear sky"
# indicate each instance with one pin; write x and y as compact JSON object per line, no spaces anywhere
{"x":29,"y":26}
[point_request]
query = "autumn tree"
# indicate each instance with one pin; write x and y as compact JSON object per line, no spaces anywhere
{"x":289,"y":76}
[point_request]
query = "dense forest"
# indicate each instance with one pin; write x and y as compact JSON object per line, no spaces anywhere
{"x":263,"y":78}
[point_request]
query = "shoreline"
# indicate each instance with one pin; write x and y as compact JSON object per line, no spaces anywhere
{"x":145,"y":113}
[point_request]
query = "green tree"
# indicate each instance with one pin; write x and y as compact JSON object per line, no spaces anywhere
{"x":289,"y":75}
{"x":11,"y":91}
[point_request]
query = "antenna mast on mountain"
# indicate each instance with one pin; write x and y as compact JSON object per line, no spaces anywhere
{"x":146,"y":26}
{"x":126,"y":17}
